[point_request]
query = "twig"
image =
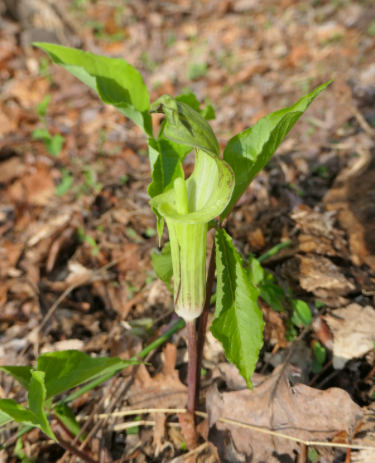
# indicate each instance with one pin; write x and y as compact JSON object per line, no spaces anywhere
{"x":132,"y":424}
{"x":88,"y":421}
{"x":240,"y":424}
{"x":365,"y":126}
{"x":203,"y":320}
{"x":319,"y":374}
{"x":69,"y":447}
{"x":111,"y":406}
{"x":327,"y":379}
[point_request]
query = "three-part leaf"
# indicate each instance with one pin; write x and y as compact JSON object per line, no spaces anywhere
{"x":238,"y":322}
{"x":116,"y":81}
{"x":249,"y":152}
{"x":34,"y":415}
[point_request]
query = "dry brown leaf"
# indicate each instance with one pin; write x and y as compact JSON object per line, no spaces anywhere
{"x":355,"y":201}
{"x":165,"y":390}
{"x":318,"y":275}
{"x":299,"y":411}
{"x":39,"y":186}
{"x":11,"y":169}
{"x":274,"y":331}
{"x":353,"y":330}
{"x":44,"y":230}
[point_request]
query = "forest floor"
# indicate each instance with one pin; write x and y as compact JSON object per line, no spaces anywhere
{"x":63,"y":218}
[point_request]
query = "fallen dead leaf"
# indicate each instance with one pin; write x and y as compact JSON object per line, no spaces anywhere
{"x":39,"y":186}
{"x":164,"y":390}
{"x":49,"y":228}
{"x":11,"y":169}
{"x":299,"y":411}
{"x":353,"y":330}
{"x":318,"y":275}
{"x":355,"y":201}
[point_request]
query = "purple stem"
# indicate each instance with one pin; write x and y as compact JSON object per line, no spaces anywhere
{"x":203,"y":321}
{"x":192,"y":366}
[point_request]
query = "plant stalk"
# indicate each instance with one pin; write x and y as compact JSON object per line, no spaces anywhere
{"x":203,"y":321}
{"x":192,"y":366}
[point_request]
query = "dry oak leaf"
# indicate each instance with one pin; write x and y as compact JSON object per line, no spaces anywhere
{"x":353,"y":330}
{"x":299,"y":411}
{"x":164,"y":390}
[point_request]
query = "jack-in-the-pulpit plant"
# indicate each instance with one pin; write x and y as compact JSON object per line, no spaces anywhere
{"x":190,"y":207}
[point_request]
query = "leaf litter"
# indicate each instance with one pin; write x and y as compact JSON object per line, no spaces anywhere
{"x":253,"y":57}
{"x":274,"y":404}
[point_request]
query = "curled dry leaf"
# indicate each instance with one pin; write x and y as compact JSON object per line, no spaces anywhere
{"x":299,"y":411}
{"x":353,"y":330}
{"x":354,"y":199}
{"x":318,"y":275}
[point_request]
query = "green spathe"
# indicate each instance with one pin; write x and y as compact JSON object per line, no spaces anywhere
{"x":188,"y":208}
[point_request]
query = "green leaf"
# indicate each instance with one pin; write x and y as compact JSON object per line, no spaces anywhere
{"x":320,"y":353}
{"x":208,"y":113}
{"x":313,"y":455}
{"x":116,"y":81}
{"x":41,"y":134}
{"x":249,"y":152}
{"x":4,"y":418}
{"x":162,"y":263}
{"x":67,"y":369}
{"x":206,"y":199}
{"x":302,"y":310}
{"x":18,"y":451}
{"x":189,"y":99}
{"x":65,"y":414}
{"x":43,"y":106}
{"x":255,"y":271}
{"x":133,"y":429}
{"x":268,"y":294}
{"x":238,"y":323}
{"x":54,"y":144}
{"x":186,"y":126}
{"x":166,"y":165}
{"x":22,"y":374}
{"x":35,"y":415}
{"x":64,"y":185}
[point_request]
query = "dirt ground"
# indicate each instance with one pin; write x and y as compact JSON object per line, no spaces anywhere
{"x":63,"y":218}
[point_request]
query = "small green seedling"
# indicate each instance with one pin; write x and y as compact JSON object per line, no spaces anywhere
{"x":53,"y":143}
{"x":320,"y":355}
{"x":190,"y":208}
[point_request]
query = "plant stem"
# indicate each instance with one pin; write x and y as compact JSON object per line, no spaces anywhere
{"x":274,"y":250}
{"x":192,"y":366}
{"x":203,"y":320}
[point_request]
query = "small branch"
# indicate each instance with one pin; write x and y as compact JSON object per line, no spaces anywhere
{"x":203,"y":320}
{"x":82,"y":455}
